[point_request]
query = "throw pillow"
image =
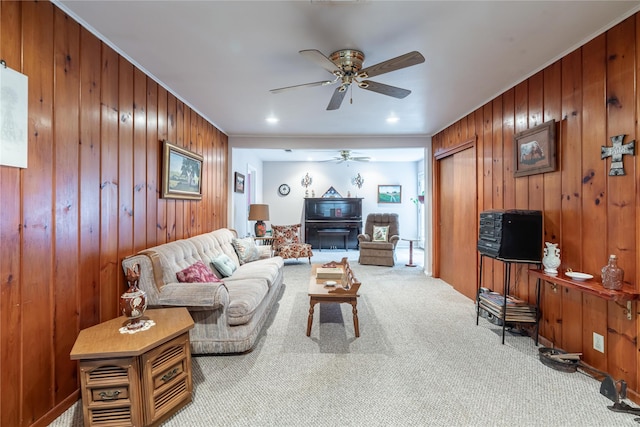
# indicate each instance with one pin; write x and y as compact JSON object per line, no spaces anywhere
{"x":284,"y":235}
{"x":224,"y":265}
{"x":380,"y":234}
{"x":196,"y":273}
{"x":246,"y":249}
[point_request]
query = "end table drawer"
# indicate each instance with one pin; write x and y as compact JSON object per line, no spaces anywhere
{"x":165,"y":377}
{"x":110,"y":394}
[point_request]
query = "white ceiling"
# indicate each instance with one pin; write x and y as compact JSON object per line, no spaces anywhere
{"x":223,"y":57}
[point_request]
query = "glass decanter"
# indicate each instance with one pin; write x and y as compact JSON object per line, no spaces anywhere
{"x":612,"y":275}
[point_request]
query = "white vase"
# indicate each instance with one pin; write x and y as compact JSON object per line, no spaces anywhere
{"x":551,"y":259}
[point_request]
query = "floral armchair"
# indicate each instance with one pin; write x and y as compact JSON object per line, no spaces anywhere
{"x":286,"y":242}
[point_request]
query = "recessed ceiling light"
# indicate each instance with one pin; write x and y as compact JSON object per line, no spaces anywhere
{"x":272,"y":120}
{"x":392,"y":119}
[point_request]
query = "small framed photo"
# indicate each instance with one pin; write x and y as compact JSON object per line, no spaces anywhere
{"x":238,"y":180}
{"x":535,"y":150}
{"x":389,"y":193}
{"x":181,"y":173}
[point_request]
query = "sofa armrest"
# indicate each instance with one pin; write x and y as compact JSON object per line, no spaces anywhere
{"x":364,"y":237}
{"x":394,"y":239}
{"x":203,"y":296}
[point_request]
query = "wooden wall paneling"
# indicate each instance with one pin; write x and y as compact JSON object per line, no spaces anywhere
{"x":139,"y":161}
{"x":162,"y":231}
{"x":207,"y":173}
{"x":636,"y":279}
{"x":10,"y":235}
{"x":521,"y":112}
{"x":173,"y":205}
{"x":66,"y":200}
{"x":508,"y":126}
{"x":198,"y":208}
{"x":497,"y":177}
{"x":536,"y":182}
{"x":571,"y":197}
{"x":89,"y":305}
{"x":109,"y":268}
{"x":594,"y":196}
{"x":125,"y":170}
{"x":38,"y":226}
{"x":620,"y":342}
{"x":494,"y":278}
{"x":181,"y":228}
{"x":551,"y":296}
{"x":153,"y":163}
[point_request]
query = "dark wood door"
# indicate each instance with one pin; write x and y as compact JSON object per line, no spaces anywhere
{"x":457,"y":219}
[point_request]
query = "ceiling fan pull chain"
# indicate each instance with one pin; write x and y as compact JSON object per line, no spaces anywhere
{"x":351,"y":96}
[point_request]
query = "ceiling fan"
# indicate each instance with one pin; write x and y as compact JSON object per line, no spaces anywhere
{"x":346,"y":66}
{"x":345,"y":156}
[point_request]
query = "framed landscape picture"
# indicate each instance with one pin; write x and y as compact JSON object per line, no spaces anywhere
{"x":535,"y":150}
{"x":389,"y":193}
{"x":181,"y":173}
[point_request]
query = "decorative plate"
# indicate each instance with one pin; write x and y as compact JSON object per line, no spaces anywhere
{"x":284,"y":189}
{"x":580,"y":277}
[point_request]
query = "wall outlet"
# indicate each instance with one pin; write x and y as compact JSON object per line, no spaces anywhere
{"x":598,"y":342}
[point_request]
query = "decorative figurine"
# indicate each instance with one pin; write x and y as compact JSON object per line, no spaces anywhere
{"x":551,"y":259}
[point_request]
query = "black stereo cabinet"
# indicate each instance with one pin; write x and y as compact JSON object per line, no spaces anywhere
{"x":512,"y":237}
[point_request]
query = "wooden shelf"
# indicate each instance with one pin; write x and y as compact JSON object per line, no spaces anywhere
{"x":592,"y":286}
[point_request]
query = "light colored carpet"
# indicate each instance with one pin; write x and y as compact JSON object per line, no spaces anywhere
{"x":420,"y":361}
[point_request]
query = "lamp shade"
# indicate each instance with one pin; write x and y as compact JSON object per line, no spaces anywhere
{"x":258,"y":212}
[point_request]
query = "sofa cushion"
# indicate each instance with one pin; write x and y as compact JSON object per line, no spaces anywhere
{"x":380,"y":233}
{"x":224,"y":265}
{"x":244,"y":298}
{"x":246,"y":249}
{"x":267,"y":269}
{"x":196,"y":273}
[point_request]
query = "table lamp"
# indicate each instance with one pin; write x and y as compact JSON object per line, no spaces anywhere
{"x":259,"y":214}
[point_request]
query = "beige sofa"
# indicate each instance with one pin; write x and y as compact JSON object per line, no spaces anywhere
{"x":228,"y":315}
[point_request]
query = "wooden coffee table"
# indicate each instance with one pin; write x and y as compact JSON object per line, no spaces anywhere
{"x":345,"y":291}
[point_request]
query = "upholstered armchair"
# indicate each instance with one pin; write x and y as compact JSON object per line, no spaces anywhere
{"x":286,"y":242}
{"x":379,"y":240}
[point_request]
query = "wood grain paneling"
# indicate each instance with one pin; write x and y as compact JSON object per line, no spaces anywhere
{"x":10,"y":236}
{"x":89,"y":197}
{"x":592,"y":94}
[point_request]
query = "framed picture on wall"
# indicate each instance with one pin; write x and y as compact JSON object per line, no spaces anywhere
{"x":389,"y":193}
{"x":181,"y":173}
{"x":535,"y":150}
{"x":238,"y":180}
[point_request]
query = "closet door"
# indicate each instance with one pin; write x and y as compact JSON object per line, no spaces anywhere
{"x":456,"y":222}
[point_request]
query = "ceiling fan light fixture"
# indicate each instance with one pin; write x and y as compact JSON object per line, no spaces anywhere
{"x":363,"y":85}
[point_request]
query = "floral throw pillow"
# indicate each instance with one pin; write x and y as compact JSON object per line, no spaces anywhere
{"x":196,"y":273}
{"x":246,"y":249}
{"x":380,"y":234}
{"x":284,"y":235}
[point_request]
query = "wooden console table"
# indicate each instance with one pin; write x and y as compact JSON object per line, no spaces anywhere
{"x":135,"y":379}
{"x":591,"y":286}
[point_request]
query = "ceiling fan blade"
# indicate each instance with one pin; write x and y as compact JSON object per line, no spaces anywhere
{"x":384,"y":89}
{"x":402,"y":61}
{"x":336,"y":99}
{"x":321,"y":60}
{"x":324,"y":83}
{"x":361,"y":159}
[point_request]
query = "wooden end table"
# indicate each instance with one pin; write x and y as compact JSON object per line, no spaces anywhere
{"x":135,"y":379}
{"x":345,"y":291}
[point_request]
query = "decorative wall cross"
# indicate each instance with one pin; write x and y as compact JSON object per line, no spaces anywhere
{"x":616,"y":152}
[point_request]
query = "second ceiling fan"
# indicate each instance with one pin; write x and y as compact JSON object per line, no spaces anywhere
{"x":346,"y":66}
